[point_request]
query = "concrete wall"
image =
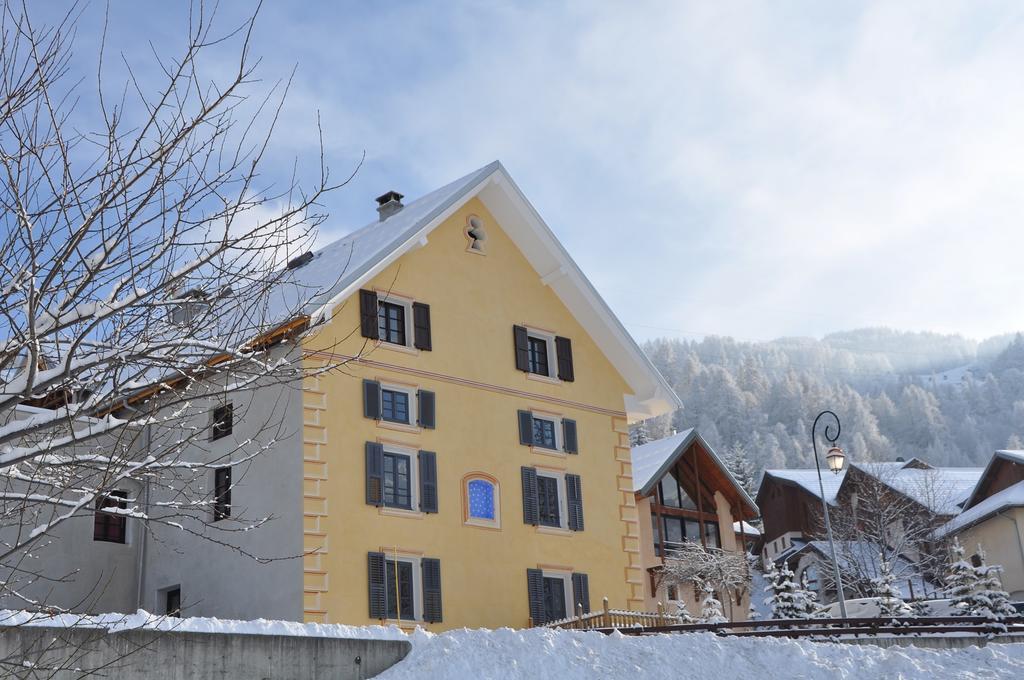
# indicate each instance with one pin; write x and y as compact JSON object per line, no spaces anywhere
{"x":154,"y":655}
{"x":215,"y":563}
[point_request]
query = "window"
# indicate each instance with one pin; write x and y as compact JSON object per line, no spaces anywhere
{"x":679,"y":529}
{"x":394,"y":405}
{"x":548,"y":501}
{"x":172,"y":602}
{"x":711,"y":537}
{"x":544,"y":433}
{"x":550,"y":432}
{"x":398,"y":481}
{"x":671,"y":494}
{"x":481,"y":501}
{"x":391,"y":323}
{"x":554,"y":598}
{"x":401,"y":602}
{"x":673,"y":592}
{"x":109,"y":527}
{"x":221,"y":493}
{"x":543,"y":353}
{"x":538,"y":355}
{"x":223,"y":421}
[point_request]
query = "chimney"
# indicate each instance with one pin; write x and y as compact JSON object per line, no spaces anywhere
{"x":389,"y":204}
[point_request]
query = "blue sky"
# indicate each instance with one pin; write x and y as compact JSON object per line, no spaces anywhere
{"x":746,"y":169}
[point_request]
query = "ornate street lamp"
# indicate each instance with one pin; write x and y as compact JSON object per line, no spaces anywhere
{"x":835,"y":458}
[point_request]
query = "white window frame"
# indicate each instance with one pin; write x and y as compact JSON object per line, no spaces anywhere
{"x":563,"y":500}
{"x":412,"y":392}
{"x":559,"y":432}
{"x":414,"y":479}
{"x":566,"y":577}
{"x":391,"y":298}
{"x":417,"y":584}
{"x":549,"y":338}
{"x":482,"y":521}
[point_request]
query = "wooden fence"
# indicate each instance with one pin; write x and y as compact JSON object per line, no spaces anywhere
{"x":653,"y":623}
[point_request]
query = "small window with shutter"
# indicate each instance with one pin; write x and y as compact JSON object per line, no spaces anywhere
{"x":222,"y":421}
{"x":547,"y":431}
{"x":404,"y":587}
{"x":395,"y":320}
{"x":542,"y":353}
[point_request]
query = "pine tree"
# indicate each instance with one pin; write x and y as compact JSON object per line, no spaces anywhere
{"x":807,"y":599}
{"x":960,"y":580}
{"x":711,"y":608}
{"x":890,"y":602}
{"x":638,"y":435}
{"x":740,"y":466}
{"x":989,"y":599}
{"x":684,"y":613}
{"x":786,"y":600}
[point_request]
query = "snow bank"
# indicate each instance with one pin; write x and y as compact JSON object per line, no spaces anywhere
{"x":544,"y":653}
{"x":143,"y":619}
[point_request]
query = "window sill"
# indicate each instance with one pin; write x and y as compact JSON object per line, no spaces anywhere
{"x":551,"y":380}
{"x":482,"y":524}
{"x":400,"y":512}
{"x":404,"y":349}
{"x":399,"y":427}
{"x":553,"y":531}
{"x":548,"y":452}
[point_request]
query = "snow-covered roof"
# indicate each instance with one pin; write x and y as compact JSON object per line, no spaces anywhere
{"x":1010,"y":497}
{"x":941,"y":490}
{"x":807,"y":479}
{"x":651,"y":462}
{"x":865,"y":557}
{"x":748,"y":530}
{"x":339,"y":269}
{"x":1011,"y":456}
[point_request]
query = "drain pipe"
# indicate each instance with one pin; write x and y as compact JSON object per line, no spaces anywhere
{"x":143,"y":532}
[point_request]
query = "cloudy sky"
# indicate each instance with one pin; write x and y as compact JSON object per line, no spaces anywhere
{"x":747,"y":169}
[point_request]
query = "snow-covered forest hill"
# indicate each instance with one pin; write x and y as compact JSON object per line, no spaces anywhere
{"x":946,"y":399}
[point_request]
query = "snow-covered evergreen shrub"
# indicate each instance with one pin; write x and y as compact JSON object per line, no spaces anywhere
{"x":960,"y":580}
{"x":711,"y":608}
{"x":890,"y":602}
{"x":807,"y":599}
{"x":989,"y":599}
{"x":787,"y":600}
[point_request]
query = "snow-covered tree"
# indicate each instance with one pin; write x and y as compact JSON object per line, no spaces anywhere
{"x":738,"y":461}
{"x":787,"y":599}
{"x":638,"y":434}
{"x":960,"y":581}
{"x":989,"y":599}
{"x":752,"y":613}
{"x":684,"y":613}
{"x":142,"y":248}
{"x":710,"y":607}
{"x":890,"y":600}
{"x":807,"y":598}
{"x":693,"y":564}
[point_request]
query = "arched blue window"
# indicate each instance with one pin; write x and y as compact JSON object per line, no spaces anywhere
{"x":480,"y":495}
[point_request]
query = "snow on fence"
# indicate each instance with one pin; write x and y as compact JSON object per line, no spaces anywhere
{"x":615,"y":618}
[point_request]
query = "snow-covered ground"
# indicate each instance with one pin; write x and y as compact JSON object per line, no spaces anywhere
{"x":508,"y":654}
{"x":566,"y":655}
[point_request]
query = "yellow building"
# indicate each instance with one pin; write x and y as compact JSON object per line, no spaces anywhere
{"x":470,"y":464}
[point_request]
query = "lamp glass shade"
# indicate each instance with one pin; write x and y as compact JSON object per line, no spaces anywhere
{"x":835,"y":459}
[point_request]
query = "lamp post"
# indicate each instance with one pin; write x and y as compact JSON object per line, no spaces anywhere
{"x":835,"y":458}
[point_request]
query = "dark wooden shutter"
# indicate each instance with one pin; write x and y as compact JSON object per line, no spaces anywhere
{"x":563,"y":348}
{"x":535,"y":593}
{"x":531,"y":507}
{"x":574,"y":498}
{"x":522,"y":348}
{"x":428,"y":481}
{"x":368,"y":314}
{"x":421,"y":326}
{"x":569,"y":440}
{"x":580,"y":593}
{"x":374,"y":473}
{"x":426,"y":410}
{"x":377,"y":576}
{"x":371,"y":399}
{"x":431,"y":589}
{"x":526,"y":428}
